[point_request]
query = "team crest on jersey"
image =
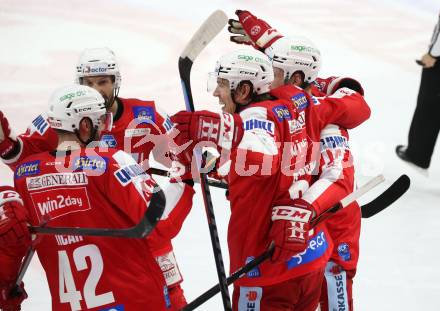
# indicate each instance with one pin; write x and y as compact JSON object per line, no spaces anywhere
{"x":256,"y":124}
{"x":344,"y":251}
{"x":144,"y":114}
{"x":282,"y":113}
{"x":109,"y":140}
{"x":28,"y":169}
{"x":90,"y":163}
{"x":40,"y":124}
{"x":300,"y":101}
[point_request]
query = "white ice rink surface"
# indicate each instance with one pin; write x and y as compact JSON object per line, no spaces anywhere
{"x":374,"y":41}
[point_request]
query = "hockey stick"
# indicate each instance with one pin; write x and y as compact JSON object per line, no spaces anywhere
{"x":207,"y":31}
{"x":211,"y":182}
{"x":390,"y":195}
{"x":141,"y":230}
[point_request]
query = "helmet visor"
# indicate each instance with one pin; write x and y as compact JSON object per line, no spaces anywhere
{"x":212,"y":81}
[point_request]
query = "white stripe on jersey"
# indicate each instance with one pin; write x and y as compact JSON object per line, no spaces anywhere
{"x":261,"y":139}
{"x":173,"y":193}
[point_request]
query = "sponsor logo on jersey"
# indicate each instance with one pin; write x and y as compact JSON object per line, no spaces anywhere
{"x":144,"y":114}
{"x":255,"y":272}
{"x":127,"y":173}
{"x":297,"y":124}
{"x":256,"y":124}
{"x":91,"y":163}
{"x":109,"y":140}
{"x":308,"y":169}
{"x":40,"y":124}
{"x":250,"y":298}
{"x":167,"y":124}
{"x":316,"y":248}
{"x":336,"y":279}
{"x":137,"y":132}
{"x":300,"y":101}
{"x":166,"y":296}
{"x":57,"y":179}
{"x":28,"y":169}
{"x":344,"y":251}
{"x":333,"y":142}
{"x":282,"y":113}
{"x":60,"y":201}
{"x":168,"y":265}
{"x":341,"y":292}
{"x":114,"y":308}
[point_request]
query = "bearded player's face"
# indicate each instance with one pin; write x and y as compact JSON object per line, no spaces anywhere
{"x":103,"y":84}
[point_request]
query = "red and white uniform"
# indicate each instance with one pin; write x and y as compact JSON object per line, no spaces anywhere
{"x":276,"y":162}
{"x":138,"y":129}
{"x":344,"y":227}
{"x":92,"y":189}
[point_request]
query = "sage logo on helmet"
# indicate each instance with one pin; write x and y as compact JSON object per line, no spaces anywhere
{"x":70,"y":104}
{"x":293,"y":54}
{"x":243,"y":65}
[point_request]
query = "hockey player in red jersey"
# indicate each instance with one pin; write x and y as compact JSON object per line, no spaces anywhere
{"x":14,"y":241}
{"x":139,"y":129}
{"x":297,"y":61}
{"x":268,"y":159}
{"x":101,"y":187}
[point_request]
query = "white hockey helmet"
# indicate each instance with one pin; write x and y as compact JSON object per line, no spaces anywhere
{"x":98,"y":62}
{"x":296,"y":54}
{"x":243,"y":65}
{"x":68,"y":105}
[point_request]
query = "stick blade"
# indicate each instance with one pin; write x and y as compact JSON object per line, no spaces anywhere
{"x":394,"y":192}
{"x":207,"y":31}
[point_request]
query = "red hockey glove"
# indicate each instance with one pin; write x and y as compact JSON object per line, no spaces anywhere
{"x":222,"y":130}
{"x":290,"y":229}
{"x":13,"y":220}
{"x":330,"y":85}
{"x":7,"y":139}
{"x":11,"y":301}
{"x":252,"y":31}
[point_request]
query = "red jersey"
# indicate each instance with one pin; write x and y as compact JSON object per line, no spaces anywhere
{"x":276,"y":162}
{"x":93,"y":189}
{"x":138,"y":129}
{"x":337,"y":171}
